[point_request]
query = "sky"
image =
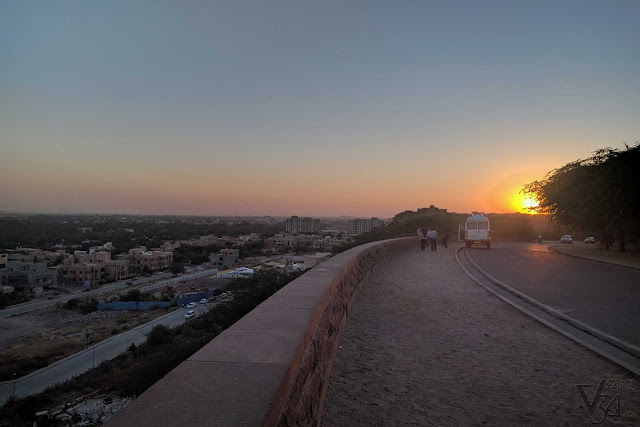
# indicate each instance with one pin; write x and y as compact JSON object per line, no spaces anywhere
{"x":329,"y":108}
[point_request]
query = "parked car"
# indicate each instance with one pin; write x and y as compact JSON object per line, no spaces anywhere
{"x":190,"y":314}
{"x":566,"y":239}
{"x":191,"y":305}
{"x":204,"y":301}
{"x":590,"y":241}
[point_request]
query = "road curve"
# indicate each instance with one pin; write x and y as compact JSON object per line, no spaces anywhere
{"x":605,"y":297}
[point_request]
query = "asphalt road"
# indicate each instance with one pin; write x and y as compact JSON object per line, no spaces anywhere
{"x":603,"y":296}
{"x":42,"y":303}
{"x":82,"y":361}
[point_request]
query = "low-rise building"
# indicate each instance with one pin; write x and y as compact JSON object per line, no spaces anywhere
{"x":117,"y":270}
{"x":29,"y":277}
{"x":289,"y":240}
{"x":139,"y":258}
{"x":327,"y":244}
{"x":92,"y":267}
{"x":73,"y":273}
{"x":226,"y":258}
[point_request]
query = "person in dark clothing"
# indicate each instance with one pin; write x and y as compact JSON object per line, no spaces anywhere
{"x":445,"y":239}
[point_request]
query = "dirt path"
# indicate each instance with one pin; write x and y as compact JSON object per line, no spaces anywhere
{"x":425,"y":345}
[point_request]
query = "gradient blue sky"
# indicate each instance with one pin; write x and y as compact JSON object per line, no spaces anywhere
{"x":323,"y":108}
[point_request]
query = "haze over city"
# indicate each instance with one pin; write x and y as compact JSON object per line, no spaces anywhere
{"x":334,"y":108}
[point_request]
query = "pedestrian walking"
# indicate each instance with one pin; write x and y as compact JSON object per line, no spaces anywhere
{"x":445,"y":239}
{"x":422,"y":235}
{"x":433,"y":239}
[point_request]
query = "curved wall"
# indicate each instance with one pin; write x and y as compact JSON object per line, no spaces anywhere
{"x":272,"y":366}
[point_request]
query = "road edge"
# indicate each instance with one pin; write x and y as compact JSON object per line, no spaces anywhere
{"x":624,"y":267}
{"x":634,"y":370}
{"x":78,"y":353}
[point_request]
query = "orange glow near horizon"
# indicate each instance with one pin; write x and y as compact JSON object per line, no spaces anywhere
{"x":523,"y":203}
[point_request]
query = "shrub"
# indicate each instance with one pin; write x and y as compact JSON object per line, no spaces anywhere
{"x":159,"y":335}
{"x":132,"y":295}
{"x":72,"y":304}
{"x":88,"y":306}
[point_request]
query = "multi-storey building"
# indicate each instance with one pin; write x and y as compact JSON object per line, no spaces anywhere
{"x":302,"y":225}
{"x":139,"y":258}
{"x":92,"y":267}
{"x":73,"y":273}
{"x":226,"y":258}
{"x":29,"y":277}
{"x":358,"y":226}
{"x":116,"y":269}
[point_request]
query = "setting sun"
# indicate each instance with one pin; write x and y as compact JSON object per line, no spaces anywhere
{"x":523,"y":203}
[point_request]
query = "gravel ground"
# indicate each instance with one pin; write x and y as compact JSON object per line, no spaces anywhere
{"x":425,"y":345}
{"x":43,"y":322}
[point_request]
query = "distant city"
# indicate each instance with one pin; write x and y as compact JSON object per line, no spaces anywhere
{"x":81,"y":256}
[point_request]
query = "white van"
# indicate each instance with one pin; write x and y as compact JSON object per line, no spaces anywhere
{"x":477,"y":230}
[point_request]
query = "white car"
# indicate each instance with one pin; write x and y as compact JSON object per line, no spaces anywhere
{"x":566,"y":239}
{"x":190,"y":314}
{"x":204,"y":301}
{"x":191,"y":305}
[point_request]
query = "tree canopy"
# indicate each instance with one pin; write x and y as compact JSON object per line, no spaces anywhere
{"x":598,"y":195}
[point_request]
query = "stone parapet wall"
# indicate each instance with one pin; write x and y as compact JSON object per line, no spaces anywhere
{"x":299,"y":398}
{"x":272,"y":366}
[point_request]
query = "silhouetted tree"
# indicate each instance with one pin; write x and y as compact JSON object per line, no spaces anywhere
{"x":598,"y":194}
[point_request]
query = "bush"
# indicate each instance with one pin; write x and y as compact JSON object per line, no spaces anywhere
{"x":159,"y":335}
{"x":88,"y":306}
{"x":132,"y":295}
{"x":72,"y":304}
{"x":85,"y":306}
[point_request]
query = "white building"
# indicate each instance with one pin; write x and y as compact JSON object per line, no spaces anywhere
{"x":302,"y":225}
{"x":358,"y":226}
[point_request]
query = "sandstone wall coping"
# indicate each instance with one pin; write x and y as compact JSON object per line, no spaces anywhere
{"x":272,"y":366}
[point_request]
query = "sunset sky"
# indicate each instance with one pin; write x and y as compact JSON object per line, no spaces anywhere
{"x":310,"y":108}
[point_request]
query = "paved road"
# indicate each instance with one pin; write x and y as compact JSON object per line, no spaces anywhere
{"x":425,"y":345}
{"x":42,"y":303}
{"x":83,"y":361}
{"x":603,"y":296}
